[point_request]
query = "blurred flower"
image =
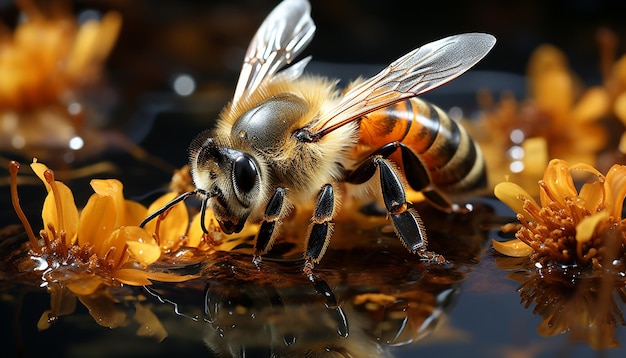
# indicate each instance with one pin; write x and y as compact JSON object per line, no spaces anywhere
{"x":569,"y":226}
{"x":48,"y":65}
{"x":560,"y":118}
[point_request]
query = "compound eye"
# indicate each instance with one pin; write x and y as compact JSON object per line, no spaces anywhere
{"x":245,"y":174}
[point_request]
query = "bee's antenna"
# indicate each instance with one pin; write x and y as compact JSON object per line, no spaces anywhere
{"x":175,"y":201}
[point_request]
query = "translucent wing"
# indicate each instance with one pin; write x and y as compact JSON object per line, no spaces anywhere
{"x":286,"y":31}
{"x":418,"y":71}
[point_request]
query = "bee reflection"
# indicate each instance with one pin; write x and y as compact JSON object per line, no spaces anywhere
{"x":368,"y":295}
{"x":352,"y":312}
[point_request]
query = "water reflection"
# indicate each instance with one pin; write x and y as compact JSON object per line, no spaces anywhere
{"x":587,"y":306}
{"x":367,"y":295}
{"x":361,"y":301}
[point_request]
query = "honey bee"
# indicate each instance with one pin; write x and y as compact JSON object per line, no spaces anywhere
{"x":287,"y":138}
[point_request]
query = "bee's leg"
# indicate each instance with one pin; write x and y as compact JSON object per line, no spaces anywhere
{"x":419,"y":180}
{"x":271,"y":218}
{"x":320,"y":229}
{"x":407,"y":223}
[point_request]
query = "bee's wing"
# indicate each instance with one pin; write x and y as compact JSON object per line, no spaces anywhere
{"x":420,"y":70}
{"x":283,"y":34}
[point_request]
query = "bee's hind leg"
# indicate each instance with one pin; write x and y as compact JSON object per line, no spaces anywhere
{"x":321,"y":229}
{"x":419,"y":180}
{"x":407,"y":223}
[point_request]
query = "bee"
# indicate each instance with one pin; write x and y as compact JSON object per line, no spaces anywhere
{"x":287,"y":138}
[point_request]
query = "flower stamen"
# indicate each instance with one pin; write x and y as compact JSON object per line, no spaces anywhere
{"x":15,"y":200}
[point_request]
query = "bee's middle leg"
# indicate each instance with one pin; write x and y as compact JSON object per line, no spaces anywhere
{"x":321,"y":228}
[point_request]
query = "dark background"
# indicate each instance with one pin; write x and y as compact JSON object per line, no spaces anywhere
{"x":207,"y":40}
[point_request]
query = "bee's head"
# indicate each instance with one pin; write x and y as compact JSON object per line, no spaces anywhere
{"x":231,"y":177}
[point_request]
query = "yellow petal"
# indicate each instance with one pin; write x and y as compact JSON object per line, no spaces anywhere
{"x":133,"y":277}
{"x":513,"y":248}
{"x":587,"y":226}
{"x":169,"y":277}
{"x":510,"y":193}
{"x":615,"y":185}
{"x":559,"y":183}
{"x":97,"y":222}
{"x":39,"y":169}
{"x":119,"y":239}
{"x":143,"y":253}
{"x":114,"y":189}
{"x":553,"y":92}
{"x":134,"y":213}
{"x":592,"y":196}
{"x":68,"y":221}
{"x":194,"y":234}
{"x":175,"y":224}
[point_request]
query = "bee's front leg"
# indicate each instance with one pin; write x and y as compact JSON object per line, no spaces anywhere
{"x":321,"y":229}
{"x":271,"y":219}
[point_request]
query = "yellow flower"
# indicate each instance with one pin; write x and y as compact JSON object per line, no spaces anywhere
{"x":102,"y":245}
{"x":569,"y":226}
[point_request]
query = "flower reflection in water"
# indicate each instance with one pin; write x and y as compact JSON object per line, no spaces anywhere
{"x":587,"y":306}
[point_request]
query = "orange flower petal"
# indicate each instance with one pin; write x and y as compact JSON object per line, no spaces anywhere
{"x":69,"y":218}
{"x":513,"y":248}
{"x":119,"y":239}
{"x":594,"y":104}
{"x":194,"y":235}
{"x":134,"y":213}
{"x":587,"y":226}
{"x":114,"y":189}
{"x":592,"y":196}
{"x":97,"y":222}
{"x":143,"y":253}
{"x":39,"y":169}
{"x":510,"y":193}
{"x":616,"y":189}
{"x":559,"y":183}
{"x":175,"y":224}
{"x":133,"y":277}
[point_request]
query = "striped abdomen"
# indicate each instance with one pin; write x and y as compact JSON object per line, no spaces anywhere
{"x":454,"y":162}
